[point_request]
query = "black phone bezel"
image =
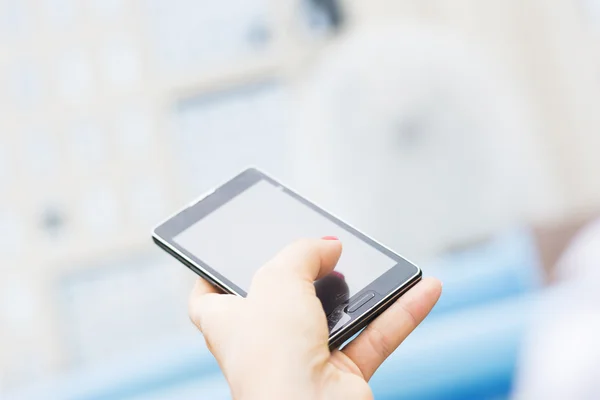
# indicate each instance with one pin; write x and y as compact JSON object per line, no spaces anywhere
{"x":388,"y":287}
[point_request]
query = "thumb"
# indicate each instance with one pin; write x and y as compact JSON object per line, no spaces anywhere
{"x":302,"y":262}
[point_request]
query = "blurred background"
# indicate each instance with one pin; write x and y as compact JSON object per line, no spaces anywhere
{"x":463,"y":134}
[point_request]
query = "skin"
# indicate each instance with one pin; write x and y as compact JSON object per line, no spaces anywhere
{"x":273,"y":343}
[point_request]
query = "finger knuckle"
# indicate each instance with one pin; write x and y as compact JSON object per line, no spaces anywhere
{"x":264,"y":275}
{"x":380,"y":342}
{"x":194,"y":315}
{"x":210,"y":345}
{"x":192,"y":304}
{"x":410,"y":314}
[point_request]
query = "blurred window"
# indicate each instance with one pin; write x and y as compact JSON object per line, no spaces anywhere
{"x":121,"y":63}
{"x":6,"y":175}
{"x":146,"y":200}
{"x":75,"y":76}
{"x":12,"y":232}
{"x":26,"y":85}
{"x":61,"y":13}
{"x":41,"y":154}
{"x":88,"y":146}
{"x":14,"y":18}
{"x":191,"y":35}
{"x":144,"y":290}
{"x":218,"y":135}
{"x":106,"y":8}
{"x":134,"y":133}
{"x":100,"y":210}
{"x":591,"y":8}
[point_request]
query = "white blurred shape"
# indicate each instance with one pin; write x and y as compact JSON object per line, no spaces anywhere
{"x":220,"y":134}
{"x":592,"y":11}
{"x":107,"y":8}
{"x":146,"y":200}
{"x":561,"y":356}
{"x":134,"y":133}
{"x":413,"y":136}
{"x":581,"y":261}
{"x":18,"y":304}
{"x":27,"y":85}
{"x":12,"y":233}
{"x":6,"y":174}
{"x":61,"y":13}
{"x":20,"y":314}
{"x":75,"y":76}
{"x":87,"y":141}
{"x":121,"y":63}
{"x":143,"y":307}
{"x":194,"y":35}
{"x":213,"y":387}
{"x":14,"y":19}
{"x":41,"y":154}
{"x":100,"y":209}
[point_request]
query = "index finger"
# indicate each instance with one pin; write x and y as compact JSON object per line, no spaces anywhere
{"x":202,"y":286}
{"x":201,"y":291}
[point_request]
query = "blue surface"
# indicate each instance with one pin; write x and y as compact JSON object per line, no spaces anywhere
{"x":466,"y":349}
{"x":506,"y":266}
{"x":168,"y":365}
{"x":468,"y":354}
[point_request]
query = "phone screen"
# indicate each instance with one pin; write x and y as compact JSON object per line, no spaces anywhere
{"x":249,"y":229}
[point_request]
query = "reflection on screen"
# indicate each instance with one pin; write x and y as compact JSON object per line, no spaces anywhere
{"x":244,"y":233}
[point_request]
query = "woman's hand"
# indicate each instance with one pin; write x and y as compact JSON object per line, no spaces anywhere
{"x":273,"y":343}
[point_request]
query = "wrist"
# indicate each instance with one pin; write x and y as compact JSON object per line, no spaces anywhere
{"x":254,"y":391}
{"x":269,"y":384}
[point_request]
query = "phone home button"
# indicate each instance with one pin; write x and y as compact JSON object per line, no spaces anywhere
{"x":362,"y":300}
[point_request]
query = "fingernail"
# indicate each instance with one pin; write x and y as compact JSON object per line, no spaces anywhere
{"x":330,"y":238}
{"x":338,"y":274}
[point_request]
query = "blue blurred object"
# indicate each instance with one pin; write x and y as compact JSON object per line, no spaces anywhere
{"x":467,"y":348}
{"x":505,"y":266}
{"x":165,"y":368}
{"x":470,"y":354}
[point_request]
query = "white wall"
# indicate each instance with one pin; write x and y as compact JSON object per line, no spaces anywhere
{"x":553,"y":51}
{"x":508,"y":97}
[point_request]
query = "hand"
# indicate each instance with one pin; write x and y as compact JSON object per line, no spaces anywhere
{"x":273,"y":343}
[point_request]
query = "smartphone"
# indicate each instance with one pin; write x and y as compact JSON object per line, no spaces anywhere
{"x":228,"y":233}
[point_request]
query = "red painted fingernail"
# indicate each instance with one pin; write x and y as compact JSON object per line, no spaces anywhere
{"x":330,"y":238}
{"x":338,"y":274}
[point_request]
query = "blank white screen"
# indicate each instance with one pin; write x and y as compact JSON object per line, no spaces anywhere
{"x":244,"y":233}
